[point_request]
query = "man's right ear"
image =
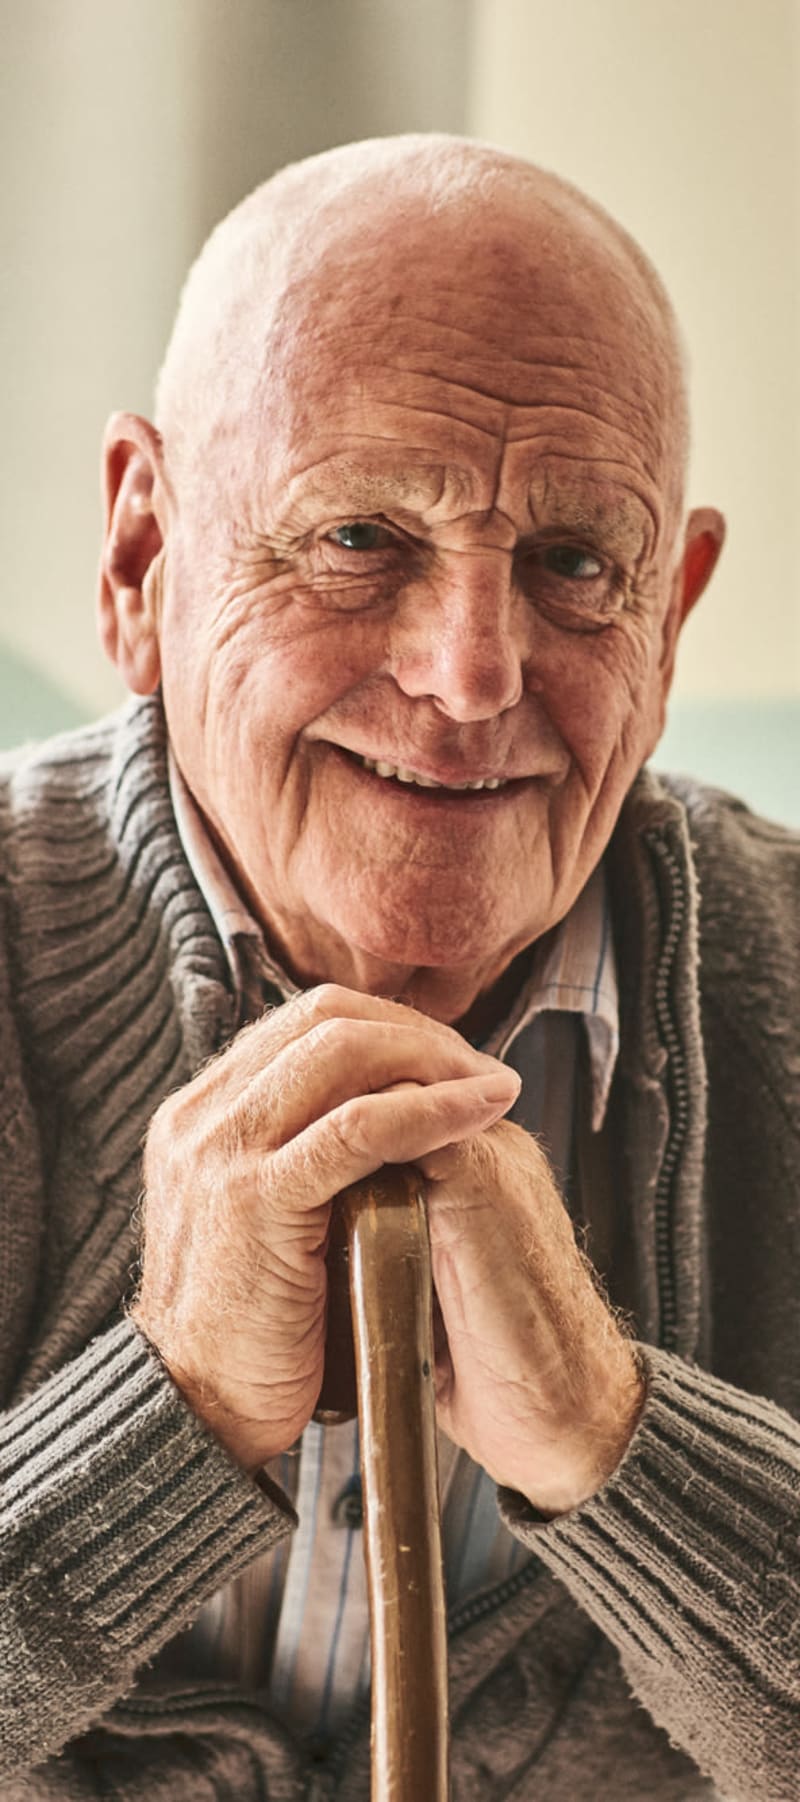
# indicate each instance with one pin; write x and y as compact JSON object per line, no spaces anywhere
{"x":129,"y":599}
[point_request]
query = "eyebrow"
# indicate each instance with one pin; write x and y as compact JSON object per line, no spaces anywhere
{"x":613,"y":513}
{"x":342,"y":478}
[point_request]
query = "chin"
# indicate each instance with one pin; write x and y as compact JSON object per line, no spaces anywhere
{"x":409,"y":917}
{"x":432,"y":943}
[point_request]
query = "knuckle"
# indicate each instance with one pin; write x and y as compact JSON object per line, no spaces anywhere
{"x":320,"y":1035}
{"x":325,"y":1000}
{"x":348,"y":1126}
{"x":245,"y":1111}
{"x":334,"y":1032}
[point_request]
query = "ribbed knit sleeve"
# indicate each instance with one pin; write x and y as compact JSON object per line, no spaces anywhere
{"x":688,"y":1561}
{"x":120,"y":1515}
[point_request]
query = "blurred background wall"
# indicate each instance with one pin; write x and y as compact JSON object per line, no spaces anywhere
{"x":127,"y":127}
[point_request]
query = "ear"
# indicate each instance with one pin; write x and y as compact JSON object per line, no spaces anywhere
{"x":705,"y":536}
{"x":703,"y":541}
{"x":130,"y":590}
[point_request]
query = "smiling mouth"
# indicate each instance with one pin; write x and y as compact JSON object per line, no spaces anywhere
{"x":413,"y":779}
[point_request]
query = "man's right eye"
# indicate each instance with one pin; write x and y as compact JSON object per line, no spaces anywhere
{"x":361,"y":535}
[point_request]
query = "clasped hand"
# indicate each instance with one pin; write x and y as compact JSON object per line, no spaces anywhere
{"x":534,"y":1377}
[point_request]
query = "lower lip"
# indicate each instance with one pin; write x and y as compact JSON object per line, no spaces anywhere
{"x":438,"y":799}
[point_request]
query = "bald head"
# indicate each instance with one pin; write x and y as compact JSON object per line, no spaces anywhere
{"x":304,"y":249}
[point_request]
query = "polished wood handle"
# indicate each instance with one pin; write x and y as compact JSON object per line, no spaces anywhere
{"x":390,"y":1291}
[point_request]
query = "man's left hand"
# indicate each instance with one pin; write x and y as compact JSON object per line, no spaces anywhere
{"x":535,"y":1379}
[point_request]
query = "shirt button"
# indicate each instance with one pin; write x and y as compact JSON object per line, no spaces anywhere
{"x":348,"y":1508}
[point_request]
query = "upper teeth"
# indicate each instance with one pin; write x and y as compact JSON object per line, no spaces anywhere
{"x":392,"y":769}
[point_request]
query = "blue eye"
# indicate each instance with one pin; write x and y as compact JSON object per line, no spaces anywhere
{"x":569,"y":560}
{"x":359,"y":535}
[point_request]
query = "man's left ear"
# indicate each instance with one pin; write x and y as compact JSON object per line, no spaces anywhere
{"x":703,"y":541}
{"x":131,"y":564}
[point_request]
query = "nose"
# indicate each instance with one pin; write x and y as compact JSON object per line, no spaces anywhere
{"x":458,"y":639}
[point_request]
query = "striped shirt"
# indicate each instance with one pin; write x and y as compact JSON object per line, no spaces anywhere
{"x":295,"y":1623}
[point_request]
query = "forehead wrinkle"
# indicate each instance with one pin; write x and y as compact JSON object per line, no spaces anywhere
{"x":606,"y":405}
{"x":464,"y":383}
{"x":545,"y":351}
{"x":505,"y":407}
{"x":618,"y":423}
{"x":636,"y":462}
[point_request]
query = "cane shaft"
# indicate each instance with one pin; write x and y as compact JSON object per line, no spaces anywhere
{"x":390,"y":1290}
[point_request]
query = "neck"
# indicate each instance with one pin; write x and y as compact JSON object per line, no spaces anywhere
{"x":473,"y":1002}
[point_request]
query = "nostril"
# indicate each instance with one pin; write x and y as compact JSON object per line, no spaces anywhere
{"x":471,"y":668}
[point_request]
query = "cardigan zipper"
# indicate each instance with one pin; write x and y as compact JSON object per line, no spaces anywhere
{"x":672,"y":897}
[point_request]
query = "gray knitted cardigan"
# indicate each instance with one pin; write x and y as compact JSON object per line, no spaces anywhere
{"x":650,"y":1649}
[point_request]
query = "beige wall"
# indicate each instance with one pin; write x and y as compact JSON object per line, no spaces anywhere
{"x":130,"y":125}
{"x":94,"y":119}
{"x":683,"y":118}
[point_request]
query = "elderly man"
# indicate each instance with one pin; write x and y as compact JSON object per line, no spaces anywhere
{"x":371,"y":873}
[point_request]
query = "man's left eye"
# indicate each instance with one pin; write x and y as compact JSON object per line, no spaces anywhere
{"x":360,"y":535}
{"x":569,"y":560}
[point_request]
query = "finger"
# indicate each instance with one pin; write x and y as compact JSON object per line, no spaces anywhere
{"x":338,"y":1060}
{"x":258,"y":1044}
{"x":356,"y":1139}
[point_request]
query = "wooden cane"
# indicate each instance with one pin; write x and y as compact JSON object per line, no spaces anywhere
{"x":383,"y":1240}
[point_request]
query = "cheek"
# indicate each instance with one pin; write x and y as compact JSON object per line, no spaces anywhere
{"x":294,"y":675}
{"x":258,"y":664}
{"x":600,"y":691}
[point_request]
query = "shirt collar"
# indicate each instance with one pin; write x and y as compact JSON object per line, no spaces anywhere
{"x":574,"y":971}
{"x":573,"y":968}
{"x":240,"y":935}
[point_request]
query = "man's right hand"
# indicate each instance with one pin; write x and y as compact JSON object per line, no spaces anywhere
{"x":241,"y":1167}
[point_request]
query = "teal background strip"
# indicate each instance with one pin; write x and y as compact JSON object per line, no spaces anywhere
{"x":31,"y":706}
{"x":749,"y":747}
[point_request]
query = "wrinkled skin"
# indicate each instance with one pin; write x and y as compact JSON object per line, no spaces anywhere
{"x":488,"y":405}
